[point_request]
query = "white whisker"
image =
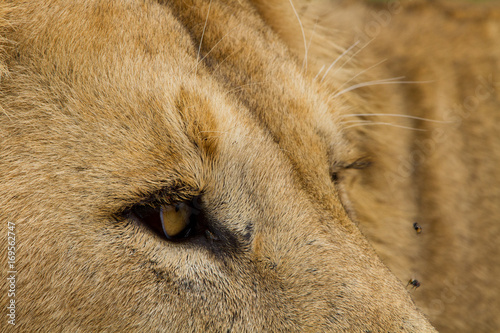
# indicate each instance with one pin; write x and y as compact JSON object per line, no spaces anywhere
{"x":244,"y":86}
{"x":221,"y":133}
{"x":311,"y":38}
{"x":213,"y":48}
{"x":321,"y":69}
{"x":386,"y":124}
{"x":355,"y":122}
{"x":395,"y":115}
{"x":304,"y":64}
{"x":227,"y":57}
{"x":338,"y":58}
{"x":255,"y":138}
{"x":360,"y":73}
{"x":378,"y":82}
{"x":201,"y":40}
{"x":355,"y":54}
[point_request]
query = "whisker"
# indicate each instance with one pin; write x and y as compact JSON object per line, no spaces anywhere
{"x":355,"y":122}
{"x":227,"y":57}
{"x":254,"y":138}
{"x":304,"y":64}
{"x":355,"y":54}
{"x":338,"y":58}
{"x":378,"y":82}
{"x":313,"y":33}
{"x":321,"y":69}
{"x":360,"y":73}
{"x":396,"y":115}
{"x":201,"y":40}
{"x":386,"y":124}
{"x":311,"y":38}
{"x":243,"y":86}
{"x":221,"y":133}
{"x":213,"y":48}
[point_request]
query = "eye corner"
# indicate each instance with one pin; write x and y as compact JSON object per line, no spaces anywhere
{"x":360,"y":163}
{"x":334,"y":176}
{"x":338,"y":169}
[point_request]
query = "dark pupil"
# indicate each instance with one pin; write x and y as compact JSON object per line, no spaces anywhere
{"x":149,"y":216}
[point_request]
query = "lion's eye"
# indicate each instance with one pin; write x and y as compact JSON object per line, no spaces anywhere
{"x":174,"y":222}
{"x":174,"y":219}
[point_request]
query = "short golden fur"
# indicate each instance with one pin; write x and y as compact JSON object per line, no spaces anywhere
{"x":261,"y":110}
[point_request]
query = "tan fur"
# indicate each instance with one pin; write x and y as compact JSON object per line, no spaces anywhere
{"x":104,"y":104}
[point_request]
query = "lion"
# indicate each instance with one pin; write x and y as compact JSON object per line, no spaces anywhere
{"x":247,"y":166}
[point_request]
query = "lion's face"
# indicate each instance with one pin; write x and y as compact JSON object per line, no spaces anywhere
{"x":170,"y":167}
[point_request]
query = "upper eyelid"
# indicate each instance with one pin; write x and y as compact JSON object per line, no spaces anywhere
{"x":170,"y":195}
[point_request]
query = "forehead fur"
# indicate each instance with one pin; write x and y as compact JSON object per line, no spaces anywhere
{"x":100,"y":82}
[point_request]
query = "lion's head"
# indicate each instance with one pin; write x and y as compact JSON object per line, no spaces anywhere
{"x":173,"y":166}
